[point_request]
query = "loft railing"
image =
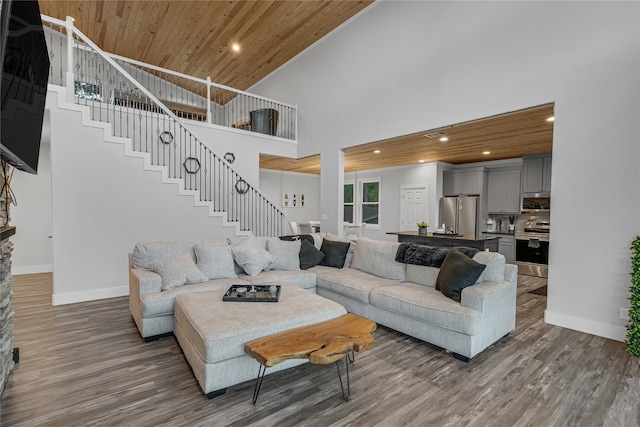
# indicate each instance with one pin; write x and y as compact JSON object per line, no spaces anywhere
{"x":116,"y":97}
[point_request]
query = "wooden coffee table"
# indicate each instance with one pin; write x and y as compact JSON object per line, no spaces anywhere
{"x":322,"y":343}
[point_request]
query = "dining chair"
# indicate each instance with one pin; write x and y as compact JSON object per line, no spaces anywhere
{"x":295,"y":229}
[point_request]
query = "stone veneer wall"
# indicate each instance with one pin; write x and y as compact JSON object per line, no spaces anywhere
{"x":6,"y":308}
{"x":6,"y":313}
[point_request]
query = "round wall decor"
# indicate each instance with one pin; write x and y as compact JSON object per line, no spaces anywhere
{"x":230,"y":157}
{"x":191,"y":165}
{"x":241,"y":186}
{"x":166,"y":137}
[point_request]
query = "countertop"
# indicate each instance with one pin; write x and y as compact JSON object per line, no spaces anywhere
{"x":468,"y":237}
{"x":504,"y":233}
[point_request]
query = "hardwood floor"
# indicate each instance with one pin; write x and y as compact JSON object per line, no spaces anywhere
{"x":86,"y":365}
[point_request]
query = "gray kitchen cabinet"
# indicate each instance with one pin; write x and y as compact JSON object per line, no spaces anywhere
{"x":546,"y":174}
{"x":506,"y":246}
{"x":503,"y":191}
{"x":537,"y":173}
{"x":455,"y":183}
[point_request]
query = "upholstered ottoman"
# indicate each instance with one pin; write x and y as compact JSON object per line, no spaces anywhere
{"x":212,"y":333}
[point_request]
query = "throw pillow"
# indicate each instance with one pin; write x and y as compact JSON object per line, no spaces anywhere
{"x":298,"y":237}
{"x":251,"y":256}
{"x":177,"y":270}
{"x":458,"y":271}
{"x":286,"y":254}
{"x":335,"y":253}
{"x":352,"y":246}
{"x":216,"y":262}
{"x":310,"y":256}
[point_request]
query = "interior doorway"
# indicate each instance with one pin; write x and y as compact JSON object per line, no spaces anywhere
{"x":414,"y":205}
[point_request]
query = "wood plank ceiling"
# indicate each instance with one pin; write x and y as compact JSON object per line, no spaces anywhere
{"x":504,"y":136}
{"x":196,"y":37}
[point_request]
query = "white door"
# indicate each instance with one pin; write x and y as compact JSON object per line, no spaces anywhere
{"x":414,"y":206}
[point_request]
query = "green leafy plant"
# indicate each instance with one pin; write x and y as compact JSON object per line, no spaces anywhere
{"x":422,"y":225}
{"x":512,"y":219}
{"x":633,"y":325}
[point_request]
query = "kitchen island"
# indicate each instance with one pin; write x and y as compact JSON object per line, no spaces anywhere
{"x":448,"y":240}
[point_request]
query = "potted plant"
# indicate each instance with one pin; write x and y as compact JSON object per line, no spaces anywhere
{"x":633,"y":325}
{"x":422,"y":228}
{"x":512,"y":223}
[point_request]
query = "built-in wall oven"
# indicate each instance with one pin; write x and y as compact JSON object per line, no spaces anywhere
{"x":532,"y":250}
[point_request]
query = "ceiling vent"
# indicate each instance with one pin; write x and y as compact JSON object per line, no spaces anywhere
{"x":435,"y":134}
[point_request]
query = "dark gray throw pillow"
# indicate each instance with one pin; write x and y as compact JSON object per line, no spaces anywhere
{"x":295,"y":237}
{"x":458,"y":271}
{"x":335,"y":253}
{"x":309,"y":255}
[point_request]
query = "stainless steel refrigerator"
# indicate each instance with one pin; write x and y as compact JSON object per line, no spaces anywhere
{"x":459,"y":214}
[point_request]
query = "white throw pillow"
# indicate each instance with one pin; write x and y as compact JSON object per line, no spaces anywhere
{"x":494,"y":272}
{"x":251,"y":256}
{"x":216,"y":262}
{"x":177,"y":270}
{"x":286,"y":254}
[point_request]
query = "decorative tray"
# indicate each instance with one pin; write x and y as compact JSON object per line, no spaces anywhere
{"x":249,"y":293}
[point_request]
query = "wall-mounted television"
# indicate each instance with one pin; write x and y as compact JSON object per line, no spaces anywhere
{"x":25,"y":74}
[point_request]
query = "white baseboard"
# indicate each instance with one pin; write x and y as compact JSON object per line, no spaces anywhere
{"x":92,"y":295}
{"x":31,"y":269}
{"x":618,"y":333}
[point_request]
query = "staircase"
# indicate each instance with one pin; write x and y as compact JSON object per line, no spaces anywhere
{"x":125,"y":96}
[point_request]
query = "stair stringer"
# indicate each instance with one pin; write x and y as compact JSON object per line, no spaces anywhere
{"x":127,"y":143}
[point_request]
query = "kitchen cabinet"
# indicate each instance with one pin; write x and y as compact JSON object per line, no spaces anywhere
{"x":503,"y":191}
{"x":537,"y":174}
{"x":506,"y":245}
{"x":455,"y":183}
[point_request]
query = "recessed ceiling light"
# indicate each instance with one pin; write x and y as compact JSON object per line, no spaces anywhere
{"x":551,"y":119}
{"x":420,"y":161}
{"x":377,"y":151}
{"x":235,"y":47}
{"x":444,"y":139}
{"x":486,"y":152}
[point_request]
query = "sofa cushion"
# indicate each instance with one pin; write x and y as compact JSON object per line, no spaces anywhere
{"x":422,"y":275}
{"x":335,"y":253}
{"x":427,"y":305}
{"x":144,"y":253}
{"x":309,"y":256}
{"x":286,"y":254}
{"x":251,"y":256}
{"x":302,"y":278}
{"x":162,"y":303}
{"x":457,"y":272}
{"x":494,"y":272}
{"x":177,"y":270}
{"x":351,"y":283}
{"x":377,"y":257}
{"x":216,"y":262}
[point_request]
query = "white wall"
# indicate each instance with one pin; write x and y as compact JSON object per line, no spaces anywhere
{"x":33,"y":249}
{"x":103,"y":203}
{"x":275,"y":183}
{"x":401,"y":67}
{"x":391,"y":182}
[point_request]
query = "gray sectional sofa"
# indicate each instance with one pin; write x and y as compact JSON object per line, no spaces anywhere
{"x":372,"y":284}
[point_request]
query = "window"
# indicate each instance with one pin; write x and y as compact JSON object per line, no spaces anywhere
{"x":370,"y":200}
{"x":348,"y":202}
